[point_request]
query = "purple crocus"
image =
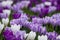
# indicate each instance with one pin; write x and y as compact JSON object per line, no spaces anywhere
{"x":16,"y":15}
{"x":54,"y":2}
{"x":44,"y":11}
{"x":33,"y":2}
{"x":10,"y":35}
{"x":20,"y":5}
{"x":51,"y":35}
{"x":37,"y":20}
{"x":43,"y":0}
{"x":42,"y":30}
{"x":2,"y":15}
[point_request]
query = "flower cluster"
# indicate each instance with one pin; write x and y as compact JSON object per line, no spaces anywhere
{"x":29,"y":20}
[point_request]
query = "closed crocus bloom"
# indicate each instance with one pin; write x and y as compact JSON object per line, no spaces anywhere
{"x":43,"y":30}
{"x":47,"y":3}
{"x":43,"y":0}
{"x":58,"y":37}
{"x":6,"y":3}
{"x":34,"y":27}
{"x":25,"y":3}
{"x":33,"y":1}
{"x":34,"y":9}
{"x":56,"y":16}
{"x":2,"y":15}
{"x":14,"y":21}
{"x":44,"y":11}
{"x":1,"y":27}
{"x":37,"y":20}
{"x":31,"y":36}
{"x":37,"y":8}
{"x":52,"y":8}
{"x":20,"y":5}
{"x":5,"y":21}
{"x":24,"y":16}
{"x":7,"y":12}
{"x":52,"y":35}
{"x":16,"y":15}
{"x":43,"y":37}
{"x":46,"y":19}
{"x":15,"y":27}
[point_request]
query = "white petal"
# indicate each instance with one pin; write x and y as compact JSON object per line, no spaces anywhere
{"x":58,"y":37}
{"x":15,"y":27}
{"x":5,"y":21}
{"x":7,"y":12}
{"x":31,"y":36}
{"x":25,"y":35}
{"x":6,"y":3}
{"x":48,"y":3}
{"x":42,"y":37}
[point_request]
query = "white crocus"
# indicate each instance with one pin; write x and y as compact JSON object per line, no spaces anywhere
{"x":6,"y":3}
{"x":25,"y":35}
{"x":15,"y":27}
{"x":31,"y":36}
{"x":58,"y":37}
{"x":1,"y":27}
{"x":47,"y":3}
{"x":7,"y":12}
{"x":43,"y":37}
{"x":5,"y":21}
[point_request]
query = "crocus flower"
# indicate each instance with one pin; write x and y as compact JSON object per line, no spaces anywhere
{"x":32,"y":2}
{"x":25,"y":35}
{"x":37,"y":20}
{"x":15,"y":27}
{"x":46,"y":20}
{"x":7,"y":12}
{"x":58,"y":37}
{"x":43,"y":0}
{"x":6,"y":3}
{"x":43,"y":37}
{"x":2,"y":15}
{"x":53,"y":2}
{"x":47,"y":3}
{"x":11,"y":35}
{"x":51,"y":35}
{"x":37,"y":8}
{"x":52,"y":8}
{"x":5,"y":21}
{"x":16,"y":15}
{"x":34,"y":27}
{"x":20,"y":5}
{"x":14,"y":21}
{"x":31,"y":36}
